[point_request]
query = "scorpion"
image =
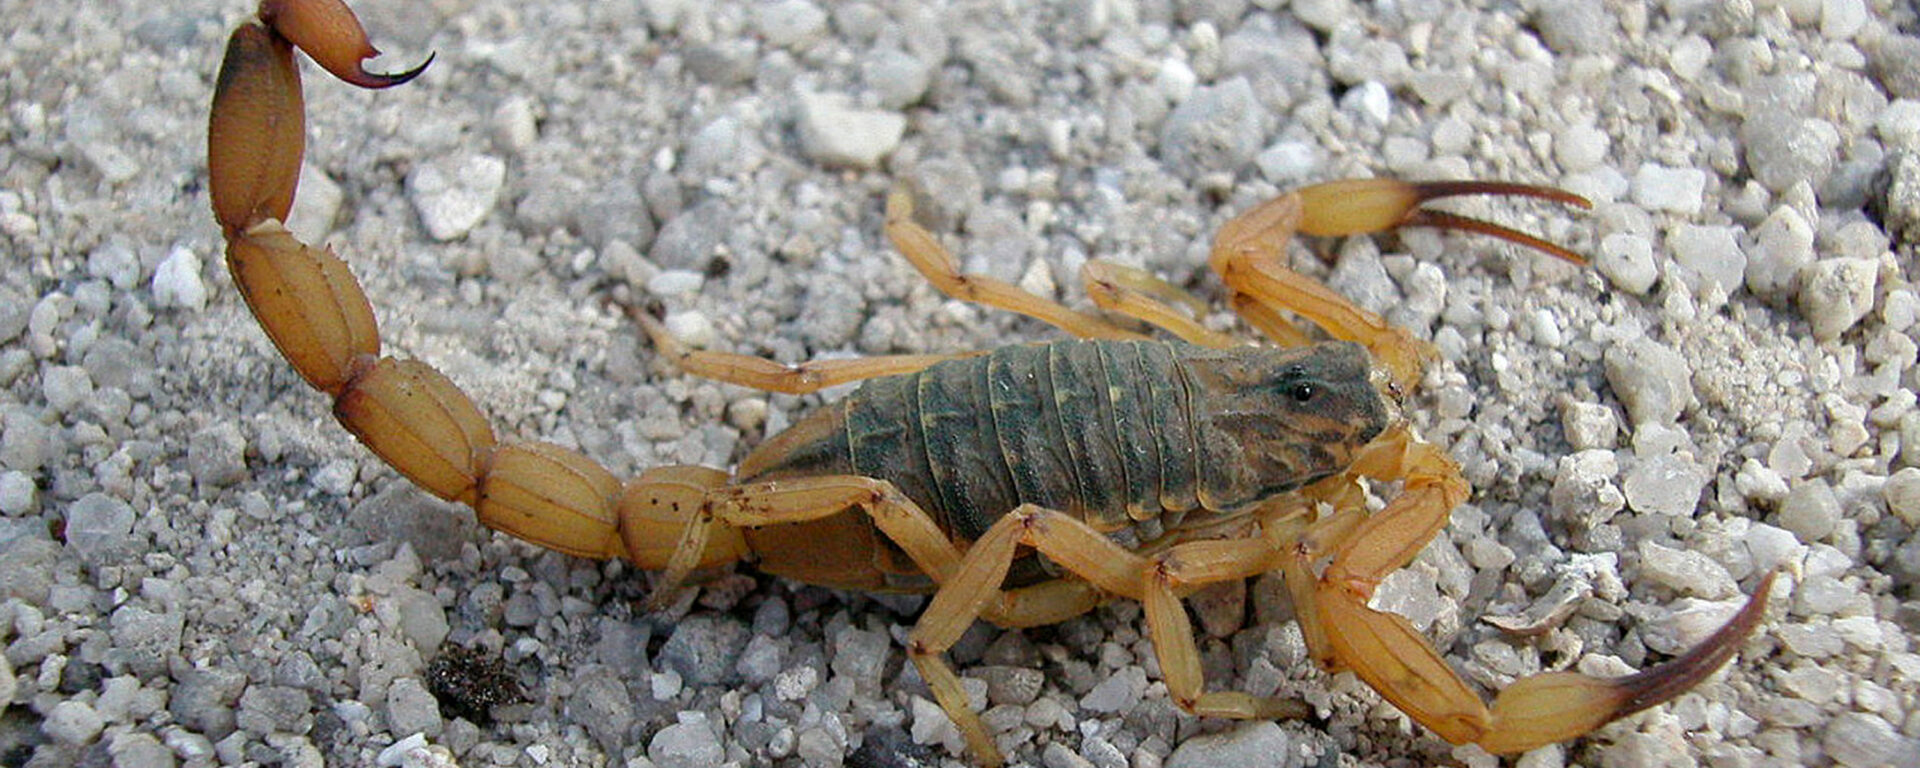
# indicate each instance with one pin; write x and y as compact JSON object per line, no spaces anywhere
{"x":1023,"y":486}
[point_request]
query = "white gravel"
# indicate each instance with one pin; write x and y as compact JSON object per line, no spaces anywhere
{"x":198,"y":567}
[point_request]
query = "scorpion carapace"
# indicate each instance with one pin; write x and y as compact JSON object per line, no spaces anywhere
{"x":953,"y":477}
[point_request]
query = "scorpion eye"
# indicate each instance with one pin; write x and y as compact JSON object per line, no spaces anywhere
{"x":1302,"y":392}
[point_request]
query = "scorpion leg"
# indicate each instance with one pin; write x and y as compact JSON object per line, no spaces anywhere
{"x":934,"y":261}
{"x":1178,"y":572}
{"x":1249,"y":256}
{"x":1138,"y":294}
{"x":1159,"y":582}
{"x":767,"y":375}
{"x":1386,"y":652}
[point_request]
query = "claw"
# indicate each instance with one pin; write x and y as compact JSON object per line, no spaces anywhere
{"x":329,"y":32}
{"x":1360,"y":206}
{"x":1555,"y":707}
{"x":1387,"y":653}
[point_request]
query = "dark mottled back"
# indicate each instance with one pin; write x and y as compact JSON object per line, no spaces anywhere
{"x":1111,"y":431}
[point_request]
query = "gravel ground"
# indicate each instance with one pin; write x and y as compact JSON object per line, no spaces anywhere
{"x":199,"y":567}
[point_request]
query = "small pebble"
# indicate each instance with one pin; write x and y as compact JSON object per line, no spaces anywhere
{"x":861,"y":656}
{"x":1118,"y":693}
{"x":898,"y":78}
{"x":1709,"y":254}
{"x":176,"y":281}
{"x":833,"y":133}
{"x":1255,"y":744}
{"x":1901,"y":491}
{"x":1668,"y":484}
{"x":1589,"y":425}
{"x":316,"y":206}
{"x":396,"y":753}
{"x":1783,"y":247}
{"x":454,"y":193}
{"x":675,"y":282}
{"x":72,"y":722}
{"x":1652,"y":380}
{"x":1861,"y":740}
{"x":686,"y":744}
{"x":217,"y":456}
{"x":1896,"y":64}
{"x":1217,"y":129}
{"x":1581,"y":148}
{"x":1583,"y":492}
{"x":1785,"y":149}
{"x":1627,"y":262}
{"x":1810,"y":511}
{"x":66,"y":387}
{"x":139,"y":750}
{"x":1674,"y":190}
{"x":790,"y":23}
{"x":1686,"y":572}
{"x":1836,"y":293}
{"x":99,"y":527}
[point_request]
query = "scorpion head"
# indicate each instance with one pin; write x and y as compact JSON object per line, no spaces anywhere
{"x":1269,"y":421}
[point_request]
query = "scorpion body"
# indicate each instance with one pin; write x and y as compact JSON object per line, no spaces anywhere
{"x":1022,"y":487}
{"x":1129,"y":436}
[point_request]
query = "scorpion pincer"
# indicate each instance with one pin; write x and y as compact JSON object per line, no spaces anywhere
{"x":1025,"y":485}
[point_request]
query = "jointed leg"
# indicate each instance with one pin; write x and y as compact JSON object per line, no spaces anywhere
{"x":1178,"y":572}
{"x":932,"y":259}
{"x":1158,"y":582}
{"x":1138,"y":294}
{"x":763,"y":374}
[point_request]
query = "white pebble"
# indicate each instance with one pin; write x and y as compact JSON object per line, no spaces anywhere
{"x":1627,"y":261}
{"x":72,"y":722}
{"x":1665,"y":485}
{"x":1582,"y":147}
{"x":1902,"y":492}
{"x":1689,"y":56}
{"x":1686,"y":572}
{"x":176,"y":282}
{"x":1653,"y":381}
{"x":1782,"y":247}
{"x":1899,"y":124}
{"x":691,"y":328}
{"x":16,"y":492}
{"x":1810,"y":511}
{"x":898,"y":78}
{"x":673,"y":282}
{"x":1175,"y":80}
{"x":65,"y":386}
{"x":1546,"y":329}
{"x":1842,"y":19}
{"x":833,"y":133}
{"x":453,"y":194}
{"x":1288,"y":162}
{"x":1676,"y":190}
{"x":1710,"y":254}
{"x":790,"y":23}
{"x":1589,"y":425}
{"x":665,"y":685}
{"x":1771,"y":546}
{"x":1836,"y":293}
{"x":1370,"y":100}
{"x":515,"y":128}
{"x":396,"y":752}
{"x":1759,"y":482}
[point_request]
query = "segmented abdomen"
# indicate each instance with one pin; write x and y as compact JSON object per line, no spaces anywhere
{"x":1096,"y":428}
